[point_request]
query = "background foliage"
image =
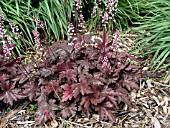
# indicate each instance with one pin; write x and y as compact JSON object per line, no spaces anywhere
{"x":54,"y":14}
{"x":126,"y":12}
{"x":19,"y":13}
{"x":155,"y":28}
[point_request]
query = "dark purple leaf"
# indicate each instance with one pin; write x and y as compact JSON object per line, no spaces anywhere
{"x":68,"y":111}
{"x":67,"y":95}
{"x":31,"y":89}
{"x":45,"y":110}
{"x":85,"y":102}
{"x":4,"y":77}
{"x":46,"y":72}
{"x":52,"y":86}
{"x":70,"y":74}
{"x":63,"y":66}
{"x":106,"y":112}
{"x":10,"y":93}
{"x":130,"y":84}
{"x":123,"y":95}
{"x":81,"y":88}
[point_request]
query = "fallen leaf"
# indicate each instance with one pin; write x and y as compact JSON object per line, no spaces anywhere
{"x":165,"y":109}
{"x":156,"y":100}
{"x":149,"y":83}
{"x":156,"y":122}
{"x":54,"y":124}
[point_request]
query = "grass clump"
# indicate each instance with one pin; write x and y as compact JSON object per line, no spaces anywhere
{"x":155,"y":28}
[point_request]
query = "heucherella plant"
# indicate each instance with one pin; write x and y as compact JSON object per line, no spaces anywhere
{"x":74,"y":78}
{"x":89,"y":76}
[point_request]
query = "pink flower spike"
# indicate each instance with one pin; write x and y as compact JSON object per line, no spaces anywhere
{"x":94,"y":10}
{"x":104,"y":61}
{"x":117,"y":33}
{"x":106,"y":16}
{"x":35,"y":19}
{"x":36,"y":33}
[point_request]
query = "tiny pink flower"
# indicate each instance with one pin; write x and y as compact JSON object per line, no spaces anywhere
{"x":36,"y":33}
{"x":36,"y":20}
{"x":94,"y":11}
{"x":106,"y":16}
{"x":99,"y":12}
{"x":104,"y":64}
{"x":76,"y":45}
{"x":104,"y":61}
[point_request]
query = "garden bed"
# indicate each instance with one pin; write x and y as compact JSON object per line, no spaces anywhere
{"x":150,"y":108}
